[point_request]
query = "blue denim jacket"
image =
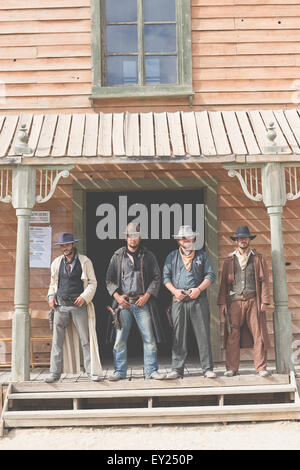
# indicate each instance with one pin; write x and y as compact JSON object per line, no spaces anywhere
{"x":201,"y":268}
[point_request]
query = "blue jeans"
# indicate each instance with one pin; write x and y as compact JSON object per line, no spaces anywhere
{"x":143,"y":320}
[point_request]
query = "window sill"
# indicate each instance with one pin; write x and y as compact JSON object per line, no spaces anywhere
{"x":139,"y":93}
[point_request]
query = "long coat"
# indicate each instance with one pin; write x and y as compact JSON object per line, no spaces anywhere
{"x":151,"y":280}
{"x":262,"y":296}
{"x":71,"y":357}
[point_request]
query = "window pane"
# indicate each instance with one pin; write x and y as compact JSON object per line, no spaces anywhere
{"x":160,"y":38}
{"x":121,"y":70}
{"x":159,"y":10}
{"x":121,"y":38}
{"x":120,"y":10}
{"x":161,"y":69}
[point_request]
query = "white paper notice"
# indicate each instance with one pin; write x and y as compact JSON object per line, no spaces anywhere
{"x":40,"y":247}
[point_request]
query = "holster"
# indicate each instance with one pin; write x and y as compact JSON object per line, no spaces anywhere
{"x":116,"y":317}
{"x":51,"y":318}
{"x":186,"y":299}
{"x":169,"y":316}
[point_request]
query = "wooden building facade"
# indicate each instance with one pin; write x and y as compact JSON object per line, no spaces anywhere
{"x":237,"y":72}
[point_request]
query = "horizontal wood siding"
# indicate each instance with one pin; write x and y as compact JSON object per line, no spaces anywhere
{"x":45,"y":55}
{"x":246,"y":54}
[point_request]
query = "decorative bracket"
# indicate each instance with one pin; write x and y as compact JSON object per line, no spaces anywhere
{"x":258,"y":180}
{"x":250,"y":180}
{"x":48,"y":181}
{"x":292,"y":174}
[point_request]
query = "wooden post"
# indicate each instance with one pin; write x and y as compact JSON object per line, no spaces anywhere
{"x":23,"y":200}
{"x":274,"y":197}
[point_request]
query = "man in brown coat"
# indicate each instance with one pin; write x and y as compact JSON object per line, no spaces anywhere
{"x":243,"y":299}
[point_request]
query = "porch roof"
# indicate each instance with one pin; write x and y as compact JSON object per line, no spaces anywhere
{"x":206,"y":136}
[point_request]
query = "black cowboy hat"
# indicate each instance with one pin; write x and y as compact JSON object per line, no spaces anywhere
{"x":242,"y":232}
{"x":65,"y":238}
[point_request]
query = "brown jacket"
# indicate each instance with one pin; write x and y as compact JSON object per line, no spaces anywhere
{"x":262,"y":295}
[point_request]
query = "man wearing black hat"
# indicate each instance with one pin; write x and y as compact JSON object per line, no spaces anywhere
{"x":72,"y":288}
{"x":243,"y":299}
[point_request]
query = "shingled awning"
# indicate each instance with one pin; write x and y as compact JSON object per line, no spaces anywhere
{"x":211,"y":136}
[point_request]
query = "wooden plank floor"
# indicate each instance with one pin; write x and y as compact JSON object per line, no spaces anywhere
{"x":135,"y":372}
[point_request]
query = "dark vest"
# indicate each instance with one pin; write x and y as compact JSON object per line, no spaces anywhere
{"x":197,"y":269}
{"x":244,"y":281}
{"x":70,"y":285}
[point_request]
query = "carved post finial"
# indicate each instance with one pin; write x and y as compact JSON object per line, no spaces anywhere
{"x":22,"y":147}
{"x":271,"y":134}
{"x":272,"y":146}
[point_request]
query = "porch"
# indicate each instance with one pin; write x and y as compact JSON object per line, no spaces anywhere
{"x":76,"y":401}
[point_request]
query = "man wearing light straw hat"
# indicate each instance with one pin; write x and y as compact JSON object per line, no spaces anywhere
{"x":187,"y":274}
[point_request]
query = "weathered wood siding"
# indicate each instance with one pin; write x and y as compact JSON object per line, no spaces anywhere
{"x":246,"y":54}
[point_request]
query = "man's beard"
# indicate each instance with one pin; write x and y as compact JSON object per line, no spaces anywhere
{"x":69,"y":253}
{"x":244,"y":247}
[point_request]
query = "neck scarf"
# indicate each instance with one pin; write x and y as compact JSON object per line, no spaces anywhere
{"x":68,"y":264}
{"x":135,"y":256}
{"x":243,"y":258}
{"x":187,"y":259}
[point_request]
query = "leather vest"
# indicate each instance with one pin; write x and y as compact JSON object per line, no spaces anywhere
{"x":244,"y":281}
{"x":70,"y":285}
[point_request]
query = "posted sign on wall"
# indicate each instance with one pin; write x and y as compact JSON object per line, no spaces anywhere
{"x":40,"y":247}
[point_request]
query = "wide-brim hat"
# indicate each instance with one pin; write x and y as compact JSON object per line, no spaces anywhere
{"x":242,"y":232}
{"x":65,"y":238}
{"x":185,"y":231}
{"x":133,"y":229}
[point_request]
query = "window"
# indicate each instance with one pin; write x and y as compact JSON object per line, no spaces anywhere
{"x":141,"y":48}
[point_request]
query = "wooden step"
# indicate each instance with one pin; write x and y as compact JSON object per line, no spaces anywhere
{"x":159,"y":415}
{"x":199,"y":391}
{"x":144,"y":384}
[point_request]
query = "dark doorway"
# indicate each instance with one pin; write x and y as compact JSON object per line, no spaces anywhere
{"x":101,"y":251}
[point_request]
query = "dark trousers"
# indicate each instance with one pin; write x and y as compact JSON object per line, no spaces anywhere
{"x":196,"y":313}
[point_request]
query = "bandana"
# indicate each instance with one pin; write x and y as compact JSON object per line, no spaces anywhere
{"x":187,"y":259}
{"x":68,"y":264}
{"x":135,"y":255}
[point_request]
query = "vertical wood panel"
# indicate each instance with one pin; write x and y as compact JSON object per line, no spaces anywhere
{"x":46,"y":136}
{"x":105,"y":135}
{"x":147,"y":135}
{"x":205,"y":135}
{"x":61,"y":136}
{"x":90,"y":135}
{"x":176,"y":134}
{"x":190,"y":133}
{"x":132,"y":135}
{"x":118,"y":134}
{"x":161,"y":135}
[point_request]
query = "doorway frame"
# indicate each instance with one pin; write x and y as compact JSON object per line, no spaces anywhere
{"x":210,"y":189}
